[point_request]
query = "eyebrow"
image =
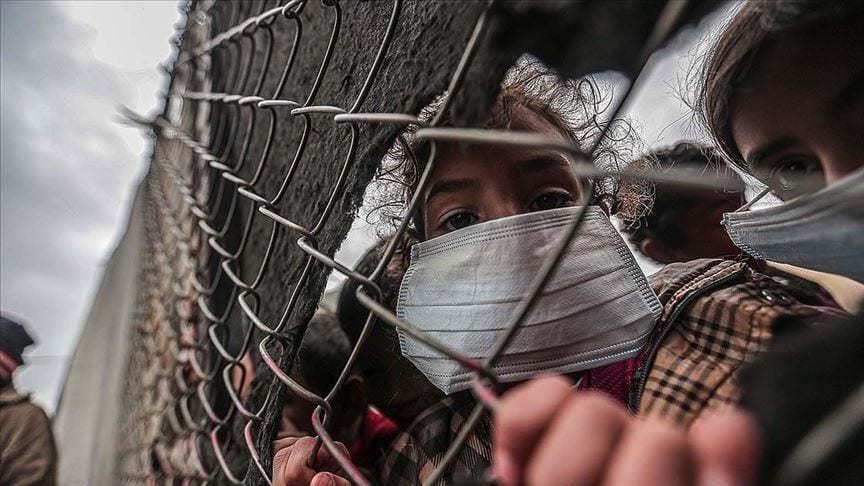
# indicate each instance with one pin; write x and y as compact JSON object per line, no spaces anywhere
{"x":527,"y":167}
{"x":538,"y":164}
{"x":760,"y":154}
{"x":450,"y":186}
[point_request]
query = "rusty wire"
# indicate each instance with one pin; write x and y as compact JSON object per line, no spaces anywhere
{"x":180,"y":359}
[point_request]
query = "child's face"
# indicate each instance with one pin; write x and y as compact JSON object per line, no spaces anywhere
{"x":799,"y":121}
{"x":474,"y":184}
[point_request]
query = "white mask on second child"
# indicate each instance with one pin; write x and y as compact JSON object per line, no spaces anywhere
{"x":820,"y":231}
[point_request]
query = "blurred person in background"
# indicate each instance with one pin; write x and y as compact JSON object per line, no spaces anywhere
{"x":320,"y":359}
{"x":395,"y":385}
{"x":27,"y":451}
{"x":323,"y":353}
{"x":683,"y":223}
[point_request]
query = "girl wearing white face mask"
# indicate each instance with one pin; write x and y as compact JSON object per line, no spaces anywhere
{"x":488,"y":218}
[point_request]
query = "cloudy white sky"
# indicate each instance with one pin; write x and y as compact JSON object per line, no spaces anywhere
{"x":67,"y":169}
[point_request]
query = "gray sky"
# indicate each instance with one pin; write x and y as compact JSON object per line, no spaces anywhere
{"x":66,"y":168}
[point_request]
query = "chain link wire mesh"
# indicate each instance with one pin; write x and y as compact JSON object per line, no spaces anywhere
{"x":277,"y":117}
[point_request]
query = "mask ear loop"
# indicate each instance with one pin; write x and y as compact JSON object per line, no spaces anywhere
{"x":753,"y":201}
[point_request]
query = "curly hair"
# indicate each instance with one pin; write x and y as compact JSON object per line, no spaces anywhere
{"x":574,"y":108}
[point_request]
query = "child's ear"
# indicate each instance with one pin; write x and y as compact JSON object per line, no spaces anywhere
{"x":652,"y":250}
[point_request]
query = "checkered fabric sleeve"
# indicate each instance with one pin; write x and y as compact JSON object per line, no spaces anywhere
{"x":418,"y":451}
{"x":723,"y":318}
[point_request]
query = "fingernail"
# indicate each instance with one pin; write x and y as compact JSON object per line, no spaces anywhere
{"x":325,"y":480}
{"x":717,"y":477}
{"x":504,"y":471}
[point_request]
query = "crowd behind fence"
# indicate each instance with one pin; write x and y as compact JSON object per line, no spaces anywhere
{"x":221,"y":216}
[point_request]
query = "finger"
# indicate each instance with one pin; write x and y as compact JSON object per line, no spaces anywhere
{"x":727,"y":447}
{"x":294,"y":470}
{"x":520,"y":419}
{"x":283,"y":442}
{"x":578,"y":442}
{"x":327,"y":461}
{"x":651,"y":453}
{"x":329,"y":479}
{"x":281,"y":453}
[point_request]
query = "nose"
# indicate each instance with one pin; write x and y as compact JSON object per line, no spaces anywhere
{"x":838,"y":166}
{"x":839,"y":148}
{"x":504,"y":206}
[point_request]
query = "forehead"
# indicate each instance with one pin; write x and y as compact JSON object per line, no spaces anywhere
{"x":518,"y":116}
{"x":455,"y":159}
{"x":485,"y":163}
{"x":823,"y":53}
{"x":792,"y":79}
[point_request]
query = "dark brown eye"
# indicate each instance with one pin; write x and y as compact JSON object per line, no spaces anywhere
{"x":459,"y":221}
{"x":795,"y":177}
{"x":552,"y":200}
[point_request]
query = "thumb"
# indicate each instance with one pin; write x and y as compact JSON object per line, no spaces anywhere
{"x":727,"y":448}
{"x":521,"y":420}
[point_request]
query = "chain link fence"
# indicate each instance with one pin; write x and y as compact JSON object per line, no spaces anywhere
{"x":278,"y":115}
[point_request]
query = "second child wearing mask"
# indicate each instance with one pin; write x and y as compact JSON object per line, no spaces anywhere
{"x":488,"y":217}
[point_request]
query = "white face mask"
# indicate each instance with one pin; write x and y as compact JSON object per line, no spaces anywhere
{"x":821,"y":231}
{"x":463,"y":287}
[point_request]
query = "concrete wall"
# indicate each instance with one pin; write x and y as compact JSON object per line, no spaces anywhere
{"x":90,"y":406}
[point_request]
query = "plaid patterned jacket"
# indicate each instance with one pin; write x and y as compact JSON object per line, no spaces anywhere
{"x":717,"y":315}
